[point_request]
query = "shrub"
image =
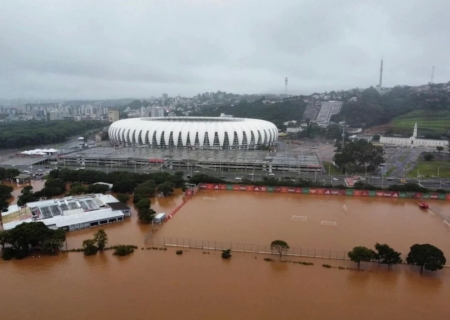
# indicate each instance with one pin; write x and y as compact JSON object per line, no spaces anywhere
{"x":179,"y":252}
{"x":226,"y":254}
{"x":89,"y":247}
{"x":428,"y":157}
{"x":268,"y":259}
{"x":7,"y":253}
{"x":123,"y":250}
{"x":326,"y":266}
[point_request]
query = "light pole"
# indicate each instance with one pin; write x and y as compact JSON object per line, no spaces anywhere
{"x":438,"y":172}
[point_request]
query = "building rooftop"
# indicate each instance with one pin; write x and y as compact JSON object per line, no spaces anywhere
{"x":68,"y":211}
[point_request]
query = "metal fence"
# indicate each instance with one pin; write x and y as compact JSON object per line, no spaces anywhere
{"x":243,"y":247}
{"x":440,"y":212}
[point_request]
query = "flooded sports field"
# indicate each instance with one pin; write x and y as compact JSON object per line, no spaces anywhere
{"x":309,"y":221}
{"x":198,"y":284}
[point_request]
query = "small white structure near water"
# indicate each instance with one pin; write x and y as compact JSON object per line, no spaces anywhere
{"x":159,"y":218}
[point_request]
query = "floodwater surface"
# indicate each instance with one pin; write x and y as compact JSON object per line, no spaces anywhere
{"x":158,"y":284}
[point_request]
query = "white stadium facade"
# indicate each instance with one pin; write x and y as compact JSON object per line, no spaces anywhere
{"x":194,"y":132}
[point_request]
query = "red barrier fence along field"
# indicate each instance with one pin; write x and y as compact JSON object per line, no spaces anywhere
{"x":326,"y":191}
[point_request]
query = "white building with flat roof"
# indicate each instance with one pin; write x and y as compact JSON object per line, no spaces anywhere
{"x":73,"y":213}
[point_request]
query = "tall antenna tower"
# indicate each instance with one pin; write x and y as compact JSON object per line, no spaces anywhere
{"x":381,"y":74}
{"x":285,"y":84}
{"x":432,"y":75}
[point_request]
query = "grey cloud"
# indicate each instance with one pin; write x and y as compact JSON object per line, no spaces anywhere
{"x":108,"y":49}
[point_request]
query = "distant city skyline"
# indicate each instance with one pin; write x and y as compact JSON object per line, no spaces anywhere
{"x":79,"y":49}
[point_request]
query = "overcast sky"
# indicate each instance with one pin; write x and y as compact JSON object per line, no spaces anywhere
{"x":113,"y":49}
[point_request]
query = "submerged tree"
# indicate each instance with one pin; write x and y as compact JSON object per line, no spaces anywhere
{"x":386,"y":255}
{"x":101,"y":238}
{"x":426,"y":256}
{"x":166,"y":188}
{"x":359,"y":254}
{"x":280,"y":246}
{"x":89,"y":247}
{"x":226,"y":254}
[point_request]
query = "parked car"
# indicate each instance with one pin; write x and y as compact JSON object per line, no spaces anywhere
{"x":238,"y":178}
{"x":271,"y":174}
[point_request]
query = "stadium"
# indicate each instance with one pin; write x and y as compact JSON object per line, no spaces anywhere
{"x":194,"y":133}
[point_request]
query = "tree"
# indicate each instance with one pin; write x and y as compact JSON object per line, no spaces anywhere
{"x":166,"y":188}
{"x":77,"y":188}
{"x":142,"y":204}
{"x":428,"y":157}
{"x":4,"y":234}
{"x":279,"y":246}
{"x":359,"y":254}
{"x":89,"y":247}
{"x":28,"y":236}
{"x":98,"y":188}
{"x":426,"y":256}
{"x":358,"y":156}
{"x":439,"y":149}
{"x":124,"y":186}
{"x":123,"y":197}
{"x":5,"y":194}
{"x":146,"y":215}
{"x":386,"y":255}
{"x":27,"y":196}
{"x":101,"y":238}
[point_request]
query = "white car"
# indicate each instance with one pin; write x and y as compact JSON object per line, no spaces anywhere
{"x":271,"y":174}
{"x":238,"y":178}
{"x":335,"y":179}
{"x":251,"y":174}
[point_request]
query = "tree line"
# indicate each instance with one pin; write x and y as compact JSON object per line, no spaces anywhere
{"x":426,"y":256}
{"x":33,"y":133}
{"x":30,"y":237}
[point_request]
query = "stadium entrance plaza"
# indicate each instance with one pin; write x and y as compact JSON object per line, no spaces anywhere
{"x":196,"y":285}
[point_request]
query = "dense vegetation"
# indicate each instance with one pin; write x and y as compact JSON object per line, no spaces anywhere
{"x":373,"y":109}
{"x":358,"y":156}
{"x":142,"y":186}
{"x":123,"y":181}
{"x":28,"y":237}
{"x":33,"y":133}
{"x":6,"y":174}
{"x":276,"y":113}
{"x":5,"y":194}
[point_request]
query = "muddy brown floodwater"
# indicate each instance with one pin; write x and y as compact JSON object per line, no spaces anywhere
{"x":156,"y":284}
